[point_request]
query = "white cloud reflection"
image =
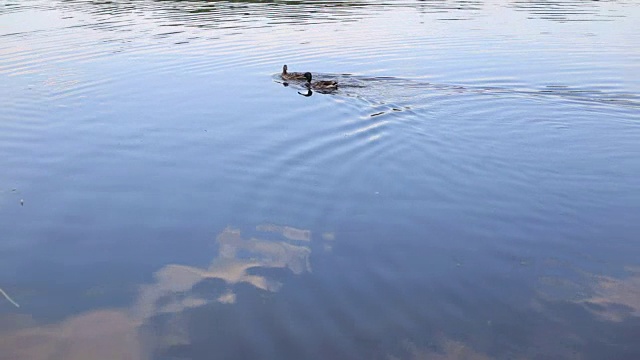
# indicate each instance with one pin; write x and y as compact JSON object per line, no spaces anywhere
{"x":617,"y":299}
{"x":236,"y":256}
{"x":115,"y":334}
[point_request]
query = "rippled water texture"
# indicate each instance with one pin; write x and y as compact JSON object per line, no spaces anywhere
{"x":470,"y":191}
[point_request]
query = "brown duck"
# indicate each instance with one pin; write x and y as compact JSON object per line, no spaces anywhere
{"x":326,"y":85}
{"x":291,"y":76}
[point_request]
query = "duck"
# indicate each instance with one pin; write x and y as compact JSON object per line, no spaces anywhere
{"x":291,"y":76}
{"x":323,"y":85}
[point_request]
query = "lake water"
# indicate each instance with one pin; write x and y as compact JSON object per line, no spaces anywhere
{"x":470,"y":191}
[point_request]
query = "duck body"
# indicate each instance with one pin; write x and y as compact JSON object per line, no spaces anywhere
{"x":322,"y":85}
{"x":291,"y":76}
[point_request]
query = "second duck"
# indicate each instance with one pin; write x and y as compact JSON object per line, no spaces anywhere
{"x":326,"y":85}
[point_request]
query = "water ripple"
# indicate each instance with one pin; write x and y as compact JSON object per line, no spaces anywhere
{"x":466,"y":144}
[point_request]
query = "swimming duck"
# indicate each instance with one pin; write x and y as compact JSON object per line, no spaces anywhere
{"x":291,"y":76}
{"x":326,"y":85}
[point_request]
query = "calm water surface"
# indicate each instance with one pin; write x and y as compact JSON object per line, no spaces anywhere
{"x":470,"y":191}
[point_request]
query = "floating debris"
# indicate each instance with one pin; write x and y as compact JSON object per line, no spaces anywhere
{"x":9,"y":298}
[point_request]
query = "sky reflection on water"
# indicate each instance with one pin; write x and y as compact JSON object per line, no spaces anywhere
{"x":469,"y":192}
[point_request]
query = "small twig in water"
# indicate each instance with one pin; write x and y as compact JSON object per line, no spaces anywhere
{"x":9,"y":298}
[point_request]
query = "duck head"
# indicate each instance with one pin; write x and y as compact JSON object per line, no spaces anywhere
{"x":307,"y":76}
{"x":284,"y":69}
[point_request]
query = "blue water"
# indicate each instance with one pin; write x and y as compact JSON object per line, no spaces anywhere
{"x":469,"y":192}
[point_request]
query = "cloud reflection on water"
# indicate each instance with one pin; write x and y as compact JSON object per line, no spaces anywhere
{"x":99,"y":335}
{"x":616,"y":299}
{"x":191,"y":311}
{"x":237,"y":256}
{"x":161,"y":307}
{"x":610,"y":298}
{"x":114,"y":333}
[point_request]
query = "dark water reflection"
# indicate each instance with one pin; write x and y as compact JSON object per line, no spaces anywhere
{"x":569,"y":10}
{"x":469,"y":192}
